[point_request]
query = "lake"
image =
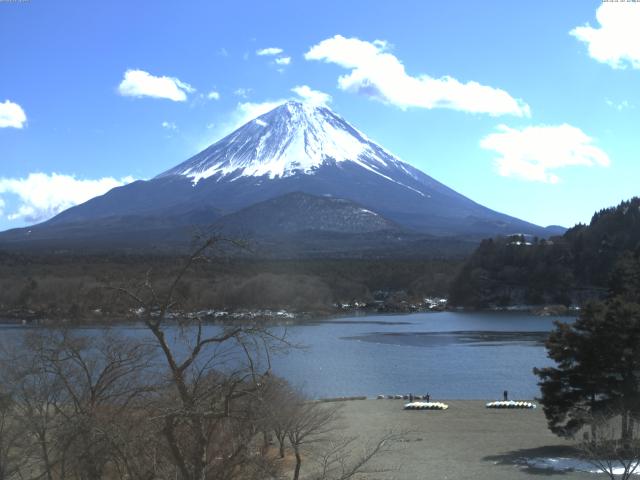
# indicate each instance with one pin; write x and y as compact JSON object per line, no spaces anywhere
{"x":450,"y":355}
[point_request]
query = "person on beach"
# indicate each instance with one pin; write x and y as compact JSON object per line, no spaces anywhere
{"x":411,"y":398}
{"x":428,"y":398}
{"x":505,"y":395}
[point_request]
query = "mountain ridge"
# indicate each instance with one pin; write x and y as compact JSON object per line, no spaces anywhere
{"x":293,"y":148}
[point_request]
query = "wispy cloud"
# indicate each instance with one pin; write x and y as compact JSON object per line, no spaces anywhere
{"x":623,"y":105}
{"x":616,"y":41}
{"x":213,"y":95}
{"x":138,"y":83}
{"x":269,"y":51}
{"x":315,"y":97}
{"x":380,"y":75}
{"x":283,"y":60}
{"x":247,"y":111}
{"x":12,"y":115}
{"x":533,"y":152}
{"x":41,"y":196}
{"x":244,"y":112}
{"x":242,"y":92}
{"x":169,"y":125}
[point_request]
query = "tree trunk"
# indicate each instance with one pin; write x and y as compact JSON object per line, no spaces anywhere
{"x":625,"y":433}
{"x":178,"y":458}
{"x":281,"y":448}
{"x":594,"y":429}
{"x":45,"y":456}
{"x":296,"y":473}
{"x":200,"y":460}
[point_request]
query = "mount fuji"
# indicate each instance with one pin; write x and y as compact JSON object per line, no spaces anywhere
{"x":286,"y":176}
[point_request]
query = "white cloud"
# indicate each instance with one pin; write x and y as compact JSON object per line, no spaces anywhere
{"x":531,"y":153}
{"x":623,"y":105}
{"x":41,"y":196}
{"x":169,"y":125}
{"x":242,"y":92}
{"x":243,"y":113}
{"x":213,"y":95}
{"x":269,"y":51}
{"x":617,"y":41}
{"x":12,"y":115}
{"x":283,"y":60}
{"x":315,"y":97}
{"x":380,"y":75}
{"x":247,"y":111}
{"x":138,"y":83}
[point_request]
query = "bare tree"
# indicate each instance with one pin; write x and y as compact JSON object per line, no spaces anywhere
{"x":102,"y":377}
{"x":73,"y":394}
{"x":342,"y":459}
{"x":12,"y":458}
{"x":310,"y":423}
{"x":614,"y":455}
{"x":279,"y":403}
{"x":36,"y":396}
{"x":214,"y":378}
{"x":191,"y":401}
{"x":313,"y":431}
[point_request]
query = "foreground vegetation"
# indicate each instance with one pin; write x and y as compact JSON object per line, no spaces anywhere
{"x":594,"y":384}
{"x":184,"y":402}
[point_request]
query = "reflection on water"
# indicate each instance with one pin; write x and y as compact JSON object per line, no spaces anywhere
{"x":434,"y":339}
{"x":362,"y":321}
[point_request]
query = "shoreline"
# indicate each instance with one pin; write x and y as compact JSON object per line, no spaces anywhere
{"x":268,"y":317}
{"x":362,"y":398}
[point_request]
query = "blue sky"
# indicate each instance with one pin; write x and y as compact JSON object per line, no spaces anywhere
{"x":530,"y":108}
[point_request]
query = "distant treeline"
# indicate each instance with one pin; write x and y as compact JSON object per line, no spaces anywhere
{"x":524,"y":270}
{"x":564,"y":270}
{"x":80,"y":287}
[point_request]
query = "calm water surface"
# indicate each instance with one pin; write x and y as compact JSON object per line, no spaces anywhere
{"x":451,"y":355}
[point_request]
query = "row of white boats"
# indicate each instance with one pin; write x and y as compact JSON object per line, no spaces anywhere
{"x":508,"y":404}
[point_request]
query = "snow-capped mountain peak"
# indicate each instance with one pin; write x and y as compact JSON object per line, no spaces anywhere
{"x":294,"y":138}
{"x":298,"y":173}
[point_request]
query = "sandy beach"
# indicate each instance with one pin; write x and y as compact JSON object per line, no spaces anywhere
{"x":467,"y":441}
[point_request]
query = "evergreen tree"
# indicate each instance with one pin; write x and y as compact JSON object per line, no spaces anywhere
{"x":597,"y":370}
{"x":563,"y":269}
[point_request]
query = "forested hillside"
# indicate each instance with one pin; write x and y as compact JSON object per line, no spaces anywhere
{"x":85,"y":287}
{"x":568,"y":269}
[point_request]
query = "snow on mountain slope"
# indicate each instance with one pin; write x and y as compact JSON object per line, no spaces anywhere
{"x":294,"y":165}
{"x":294,"y":138}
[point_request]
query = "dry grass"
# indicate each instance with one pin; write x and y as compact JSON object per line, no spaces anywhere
{"x":467,"y":441}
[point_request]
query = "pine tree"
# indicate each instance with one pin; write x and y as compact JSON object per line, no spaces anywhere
{"x":597,"y":370}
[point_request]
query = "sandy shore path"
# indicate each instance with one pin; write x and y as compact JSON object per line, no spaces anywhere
{"x":468,"y":441}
